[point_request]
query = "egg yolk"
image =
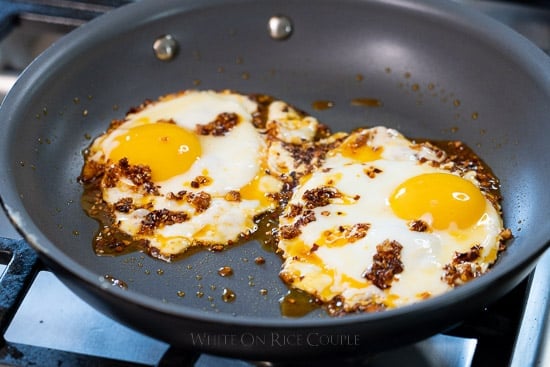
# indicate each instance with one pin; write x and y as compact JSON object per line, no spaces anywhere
{"x":446,"y":198}
{"x":253,"y":191}
{"x":360,"y":153}
{"x":166,"y":148}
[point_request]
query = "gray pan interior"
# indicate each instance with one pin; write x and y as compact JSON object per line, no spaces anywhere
{"x":440,"y":71}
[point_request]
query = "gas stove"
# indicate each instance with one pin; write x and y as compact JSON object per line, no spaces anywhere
{"x":42,"y":323}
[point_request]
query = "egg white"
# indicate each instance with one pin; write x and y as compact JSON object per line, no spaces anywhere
{"x":230,"y":162}
{"x":339,"y":271}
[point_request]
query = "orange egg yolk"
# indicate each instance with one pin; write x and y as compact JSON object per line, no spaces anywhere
{"x":166,"y":148}
{"x":253,"y":191}
{"x":361,"y":153}
{"x":446,"y":198}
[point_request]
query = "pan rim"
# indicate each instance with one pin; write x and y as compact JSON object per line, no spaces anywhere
{"x":464,"y":292}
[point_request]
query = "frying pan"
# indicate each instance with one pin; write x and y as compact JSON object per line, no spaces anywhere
{"x":438,"y":71}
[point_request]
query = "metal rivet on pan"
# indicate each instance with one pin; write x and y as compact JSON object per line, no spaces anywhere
{"x":165,"y":47}
{"x":280,"y":27}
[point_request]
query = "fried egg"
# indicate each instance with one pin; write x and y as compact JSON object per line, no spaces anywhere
{"x":369,"y":220}
{"x":191,"y":168}
{"x":385,"y":222}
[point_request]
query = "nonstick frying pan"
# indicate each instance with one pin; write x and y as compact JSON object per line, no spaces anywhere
{"x":436,"y":70}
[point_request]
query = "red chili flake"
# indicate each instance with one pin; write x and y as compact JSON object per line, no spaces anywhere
{"x":386,"y":263}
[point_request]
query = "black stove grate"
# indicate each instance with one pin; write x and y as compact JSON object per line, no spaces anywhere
{"x":21,"y":264}
{"x":63,"y":13}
